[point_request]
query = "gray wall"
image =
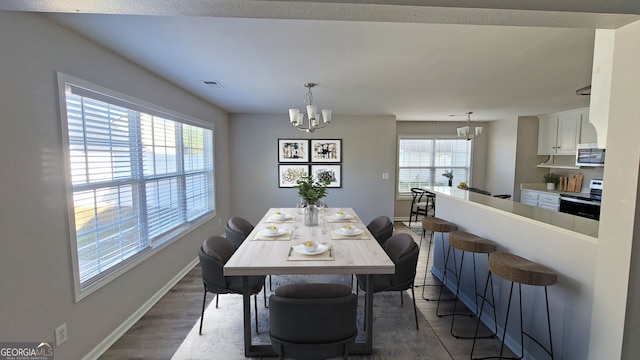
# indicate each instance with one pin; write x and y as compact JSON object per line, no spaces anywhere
{"x":501,"y":156}
{"x":527,"y":155}
{"x":368,"y":150}
{"x":36,"y":282}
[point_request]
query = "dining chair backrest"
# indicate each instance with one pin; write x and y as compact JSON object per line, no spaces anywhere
{"x":479,"y":191}
{"x":214,"y":253}
{"x":240,"y":225}
{"x":312,"y":321}
{"x":403,"y":251}
{"x":418,"y":206}
{"x":417,"y":194}
{"x":381,"y":228}
{"x":503,"y":196}
{"x":237,"y":229}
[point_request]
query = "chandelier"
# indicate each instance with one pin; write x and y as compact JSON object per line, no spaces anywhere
{"x":465,"y":131}
{"x":314,"y":122}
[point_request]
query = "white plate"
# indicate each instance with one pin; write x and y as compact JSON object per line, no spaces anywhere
{"x":280,"y":231}
{"x":355,"y":232}
{"x":284,"y":217}
{"x":301,"y":249}
{"x":346,"y":217}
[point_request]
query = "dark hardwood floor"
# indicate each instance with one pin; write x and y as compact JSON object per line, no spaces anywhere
{"x":159,"y":333}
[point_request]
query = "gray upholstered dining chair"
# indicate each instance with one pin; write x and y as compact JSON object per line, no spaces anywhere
{"x":237,"y":229}
{"x":313,"y":321}
{"x":381,"y":228}
{"x":403,"y":251}
{"x":213,"y":254}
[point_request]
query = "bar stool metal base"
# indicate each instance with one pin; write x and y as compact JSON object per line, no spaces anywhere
{"x":426,"y":271}
{"x":519,"y":270}
{"x":476,"y":310}
{"x":470,"y":243}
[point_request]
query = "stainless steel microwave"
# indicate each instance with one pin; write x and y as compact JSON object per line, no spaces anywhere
{"x":590,"y":155}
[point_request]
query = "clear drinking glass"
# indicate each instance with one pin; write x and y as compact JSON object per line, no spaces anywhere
{"x":323,"y":221}
{"x":296,"y":224}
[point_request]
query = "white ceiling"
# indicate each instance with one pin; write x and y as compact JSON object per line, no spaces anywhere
{"x":414,"y":62}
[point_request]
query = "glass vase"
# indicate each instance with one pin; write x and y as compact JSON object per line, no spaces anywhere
{"x":311,"y":215}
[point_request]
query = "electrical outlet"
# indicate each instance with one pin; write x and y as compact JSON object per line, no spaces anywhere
{"x":61,"y":334}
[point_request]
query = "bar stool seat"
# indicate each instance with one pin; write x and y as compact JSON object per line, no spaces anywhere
{"x":435,"y":225}
{"x":521,"y":271}
{"x":468,"y":242}
{"x":517,"y":269}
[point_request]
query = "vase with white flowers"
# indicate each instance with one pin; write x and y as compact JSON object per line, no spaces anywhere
{"x":311,"y":190}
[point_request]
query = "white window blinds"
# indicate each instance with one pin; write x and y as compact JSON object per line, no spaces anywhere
{"x":138,"y":178}
{"x":422,"y":161}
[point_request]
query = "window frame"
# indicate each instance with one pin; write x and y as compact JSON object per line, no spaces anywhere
{"x":407,"y":195}
{"x":153,"y":245}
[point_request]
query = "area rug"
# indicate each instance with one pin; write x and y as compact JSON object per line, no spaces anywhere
{"x":416,"y":227}
{"x":394,"y":332}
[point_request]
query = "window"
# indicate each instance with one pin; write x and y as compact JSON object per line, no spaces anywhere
{"x":422,"y":161}
{"x":139,"y":176}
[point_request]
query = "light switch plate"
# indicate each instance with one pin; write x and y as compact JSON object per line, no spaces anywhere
{"x":385,"y":176}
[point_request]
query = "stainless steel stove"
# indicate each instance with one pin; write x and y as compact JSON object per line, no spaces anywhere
{"x":588,"y":207}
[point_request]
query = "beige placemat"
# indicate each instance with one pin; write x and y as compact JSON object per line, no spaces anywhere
{"x":325,"y":256}
{"x":337,"y":236}
{"x":285,"y":236}
{"x":271,"y":219}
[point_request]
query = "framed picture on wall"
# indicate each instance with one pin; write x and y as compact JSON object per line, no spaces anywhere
{"x":333,"y":173}
{"x":326,"y":150}
{"x":293,"y":150}
{"x":289,"y":174}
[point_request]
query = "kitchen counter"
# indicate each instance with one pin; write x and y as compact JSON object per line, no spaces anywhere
{"x":555,"y":240}
{"x":577,"y":224}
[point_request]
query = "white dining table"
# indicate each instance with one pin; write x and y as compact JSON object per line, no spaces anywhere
{"x":265,"y":254}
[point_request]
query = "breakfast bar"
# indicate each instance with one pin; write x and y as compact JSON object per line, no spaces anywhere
{"x":545,"y":237}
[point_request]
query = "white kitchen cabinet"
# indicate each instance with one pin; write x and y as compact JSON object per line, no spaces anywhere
{"x":529,"y":197}
{"x":549,"y":201}
{"x":558,"y":134}
{"x":541,"y":199}
{"x":547,"y":134}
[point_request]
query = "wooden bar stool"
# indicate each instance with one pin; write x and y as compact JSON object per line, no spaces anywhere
{"x":467,"y":242}
{"x":434,"y":224}
{"x":522,"y":271}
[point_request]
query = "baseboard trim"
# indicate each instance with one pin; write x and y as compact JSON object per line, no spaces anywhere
{"x":107,"y":342}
